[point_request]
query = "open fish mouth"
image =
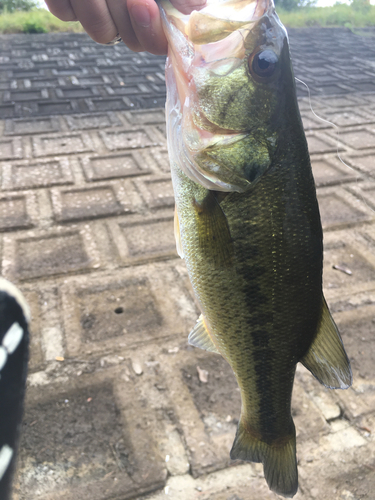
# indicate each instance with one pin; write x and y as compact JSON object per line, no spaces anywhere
{"x":208,"y":59}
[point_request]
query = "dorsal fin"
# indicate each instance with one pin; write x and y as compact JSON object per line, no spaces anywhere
{"x":200,"y":337}
{"x":326,"y":359}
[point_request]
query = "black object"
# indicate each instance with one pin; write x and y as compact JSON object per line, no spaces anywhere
{"x":14,"y":351}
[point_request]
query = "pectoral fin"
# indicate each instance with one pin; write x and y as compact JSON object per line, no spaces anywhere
{"x":215,"y":242}
{"x":200,"y":337}
{"x":326,"y":359}
{"x":177,"y":234}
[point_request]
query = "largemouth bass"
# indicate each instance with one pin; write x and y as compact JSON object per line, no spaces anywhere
{"x":247,"y":219}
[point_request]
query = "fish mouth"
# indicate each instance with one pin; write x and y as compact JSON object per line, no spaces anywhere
{"x":217,"y":19}
{"x":207,"y":44}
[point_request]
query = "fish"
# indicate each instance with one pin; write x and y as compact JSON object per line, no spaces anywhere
{"x":247,"y":219}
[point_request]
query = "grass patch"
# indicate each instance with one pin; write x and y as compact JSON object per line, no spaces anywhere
{"x":339,"y":15}
{"x":35,"y":21}
{"x":357,"y":15}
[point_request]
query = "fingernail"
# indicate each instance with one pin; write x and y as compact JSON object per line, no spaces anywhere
{"x":141,"y":15}
{"x":187,"y":7}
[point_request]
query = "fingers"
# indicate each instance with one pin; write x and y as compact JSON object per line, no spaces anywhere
{"x":61,"y":9}
{"x":137,"y":21}
{"x":96,"y":19}
{"x":146,"y":32}
{"x":147,"y":26}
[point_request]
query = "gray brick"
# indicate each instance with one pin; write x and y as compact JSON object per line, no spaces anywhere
{"x":358,"y":139}
{"x":345,"y":118}
{"x":157,"y":193}
{"x":33,"y":175}
{"x":24,"y":126}
{"x":90,"y":409}
{"x":115,"y":166}
{"x":13,"y":213}
{"x":339,"y":210}
{"x":103,"y":104}
{"x":125,"y":309}
{"x":75,"y":92}
{"x":145,"y":117}
{"x":128,"y":139}
{"x":11,"y":148}
{"x":62,"y":144}
{"x":130,"y":306}
{"x":330,"y":171}
{"x":345,"y":256}
{"x":148,"y":240}
{"x":92,"y":120}
{"x":36,"y":361}
{"x":46,"y":256}
{"x":25,"y":95}
{"x":318,"y":145}
{"x":80,"y":204}
{"x":56,"y":107}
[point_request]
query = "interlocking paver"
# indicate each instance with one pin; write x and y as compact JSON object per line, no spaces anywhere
{"x":115,"y":406}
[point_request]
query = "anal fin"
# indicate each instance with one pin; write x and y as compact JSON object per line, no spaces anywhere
{"x":326,"y":358}
{"x":200,"y":337}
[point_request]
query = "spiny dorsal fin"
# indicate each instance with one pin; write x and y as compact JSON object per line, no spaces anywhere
{"x":177,"y":234}
{"x":199,"y":337}
{"x":326,"y":359}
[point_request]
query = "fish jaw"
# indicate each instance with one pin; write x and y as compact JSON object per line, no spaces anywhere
{"x":208,"y":49}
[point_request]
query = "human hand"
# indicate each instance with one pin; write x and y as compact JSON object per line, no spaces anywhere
{"x":138,"y":22}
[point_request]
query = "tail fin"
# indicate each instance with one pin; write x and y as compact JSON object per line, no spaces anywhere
{"x":279,"y":459}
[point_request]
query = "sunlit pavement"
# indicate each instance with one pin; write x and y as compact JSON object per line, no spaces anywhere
{"x":116,"y":406}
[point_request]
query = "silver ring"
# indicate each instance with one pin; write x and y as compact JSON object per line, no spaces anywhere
{"x":116,"y":40}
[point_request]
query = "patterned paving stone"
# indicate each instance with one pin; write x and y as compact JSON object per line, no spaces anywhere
{"x":151,"y":239}
{"x":129,"y":308}
{"x":13,"y":213}
{"x":115,"y":166}
{"x":348,"y":259}
{"x":10,"y":148}
{"x":338,"y":209}
{"x":66,"y":143}
{"x":80,"y":70}
{"x":359,"y":139}
{"x":79,"y":204}
{"x":24,"y":126}
{"x":90,"y":410}
{"x":145,"y":117}
{"x":128,"y":139}
{"x":35,"y":175}
{"x":330,"y":171}
{"x":36,"y":256}
{"x":91,"y":121}
{"x":318,"y":144}
{"x":157,"y":193}
{"x":364,"y":163}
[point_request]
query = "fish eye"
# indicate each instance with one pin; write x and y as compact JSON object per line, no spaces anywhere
{"x":263,"y":65}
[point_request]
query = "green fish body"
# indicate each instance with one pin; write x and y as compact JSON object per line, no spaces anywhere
{"x":247,"y":222}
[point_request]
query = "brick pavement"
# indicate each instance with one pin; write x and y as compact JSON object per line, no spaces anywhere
{"x":115,"y":409}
